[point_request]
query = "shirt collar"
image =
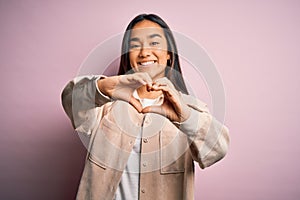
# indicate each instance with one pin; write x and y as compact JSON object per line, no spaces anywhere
{"x":157,"y":101}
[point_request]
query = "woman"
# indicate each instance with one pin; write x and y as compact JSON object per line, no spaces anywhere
{"x":145,"y":130}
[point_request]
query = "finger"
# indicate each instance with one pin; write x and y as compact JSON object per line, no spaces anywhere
{"x":136,"y":104}
{"x":168,"y":92}
{"x":171,"y":95}
{"x":164,"y":81}
{"x":134,"y":80}
{"x":149,"y":88}
{"x":164,"y":84}
{"x":142,"y":78}
{"x":146,"y":77}
{"x":155,"y":109}
{"x":167,"y":112}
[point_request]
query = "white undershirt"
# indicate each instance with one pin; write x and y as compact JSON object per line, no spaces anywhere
{"x":129,"y":185}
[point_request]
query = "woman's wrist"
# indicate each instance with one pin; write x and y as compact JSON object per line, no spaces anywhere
{"x":186,"y":113}
{"x":101,"y":86}
{"x":106,"y":85}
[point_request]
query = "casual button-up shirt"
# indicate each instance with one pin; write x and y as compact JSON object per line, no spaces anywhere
{"x":167,"y":149}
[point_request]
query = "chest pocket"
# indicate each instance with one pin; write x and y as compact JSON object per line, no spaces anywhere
{"x":110,"y":146}
{"x":173,"y":148}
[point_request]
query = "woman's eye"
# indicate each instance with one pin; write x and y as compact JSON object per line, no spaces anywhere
{"x":134,"y":46}
{"x":154,"y":43}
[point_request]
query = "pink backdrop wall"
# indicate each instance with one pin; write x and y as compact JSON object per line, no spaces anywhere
{"x":255,"y":45}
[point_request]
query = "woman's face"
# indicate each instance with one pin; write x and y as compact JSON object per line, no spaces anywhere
{"x":148,"y":49}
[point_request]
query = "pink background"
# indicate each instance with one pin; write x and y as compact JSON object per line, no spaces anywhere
{"x":255,"y":45}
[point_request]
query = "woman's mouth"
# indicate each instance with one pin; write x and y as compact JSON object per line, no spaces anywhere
{"x":146,"y":63}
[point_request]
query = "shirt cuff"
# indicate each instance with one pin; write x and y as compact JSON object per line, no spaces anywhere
{"x":191,"y":125}
{"x":99,"y":92}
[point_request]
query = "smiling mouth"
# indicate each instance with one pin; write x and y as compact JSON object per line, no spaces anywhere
{"x":147,"y":63}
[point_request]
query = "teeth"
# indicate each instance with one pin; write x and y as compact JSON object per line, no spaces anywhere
{"x":147,"y":63}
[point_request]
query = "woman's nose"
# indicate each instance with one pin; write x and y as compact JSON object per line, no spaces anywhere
{"x":145,"y":52}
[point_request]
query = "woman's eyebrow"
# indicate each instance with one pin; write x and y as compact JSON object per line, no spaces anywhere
{"x":154,"y":35}
{"x":136,"y":39}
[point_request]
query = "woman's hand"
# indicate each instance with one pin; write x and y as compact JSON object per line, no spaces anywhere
{"x":122,"y":87}
{"x":173,"y":106}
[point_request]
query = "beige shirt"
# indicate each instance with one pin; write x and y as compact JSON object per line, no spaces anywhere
{"x":168,"y":150}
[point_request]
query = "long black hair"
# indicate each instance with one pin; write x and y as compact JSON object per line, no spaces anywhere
{"x":173,"y":71}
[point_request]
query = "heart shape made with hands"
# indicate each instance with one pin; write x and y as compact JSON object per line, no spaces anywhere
{"x":172,"y":107}
{"x":122,"y":88}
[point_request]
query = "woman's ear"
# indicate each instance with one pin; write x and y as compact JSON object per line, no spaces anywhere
{"x":168,"y":56}
{"x":169,"y":60}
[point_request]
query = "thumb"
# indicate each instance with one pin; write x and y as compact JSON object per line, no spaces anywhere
{"x":154,"y":109}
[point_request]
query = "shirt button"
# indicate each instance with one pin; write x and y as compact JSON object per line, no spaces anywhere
{"x":143,"y":191}
{"x":131,"y":142}
{"x":148,"y":120}
{"x":145,"y":140}
{"x":144,"y":164}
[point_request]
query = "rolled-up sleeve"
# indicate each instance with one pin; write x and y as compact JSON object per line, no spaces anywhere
{"x":82,"y":100}
{"x":209,"y":138}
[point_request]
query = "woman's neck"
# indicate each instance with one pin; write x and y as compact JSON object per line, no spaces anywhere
{"x":143,"y":93}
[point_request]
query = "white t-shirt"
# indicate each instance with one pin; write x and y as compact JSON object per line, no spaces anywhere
{"x":129,"y":185}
